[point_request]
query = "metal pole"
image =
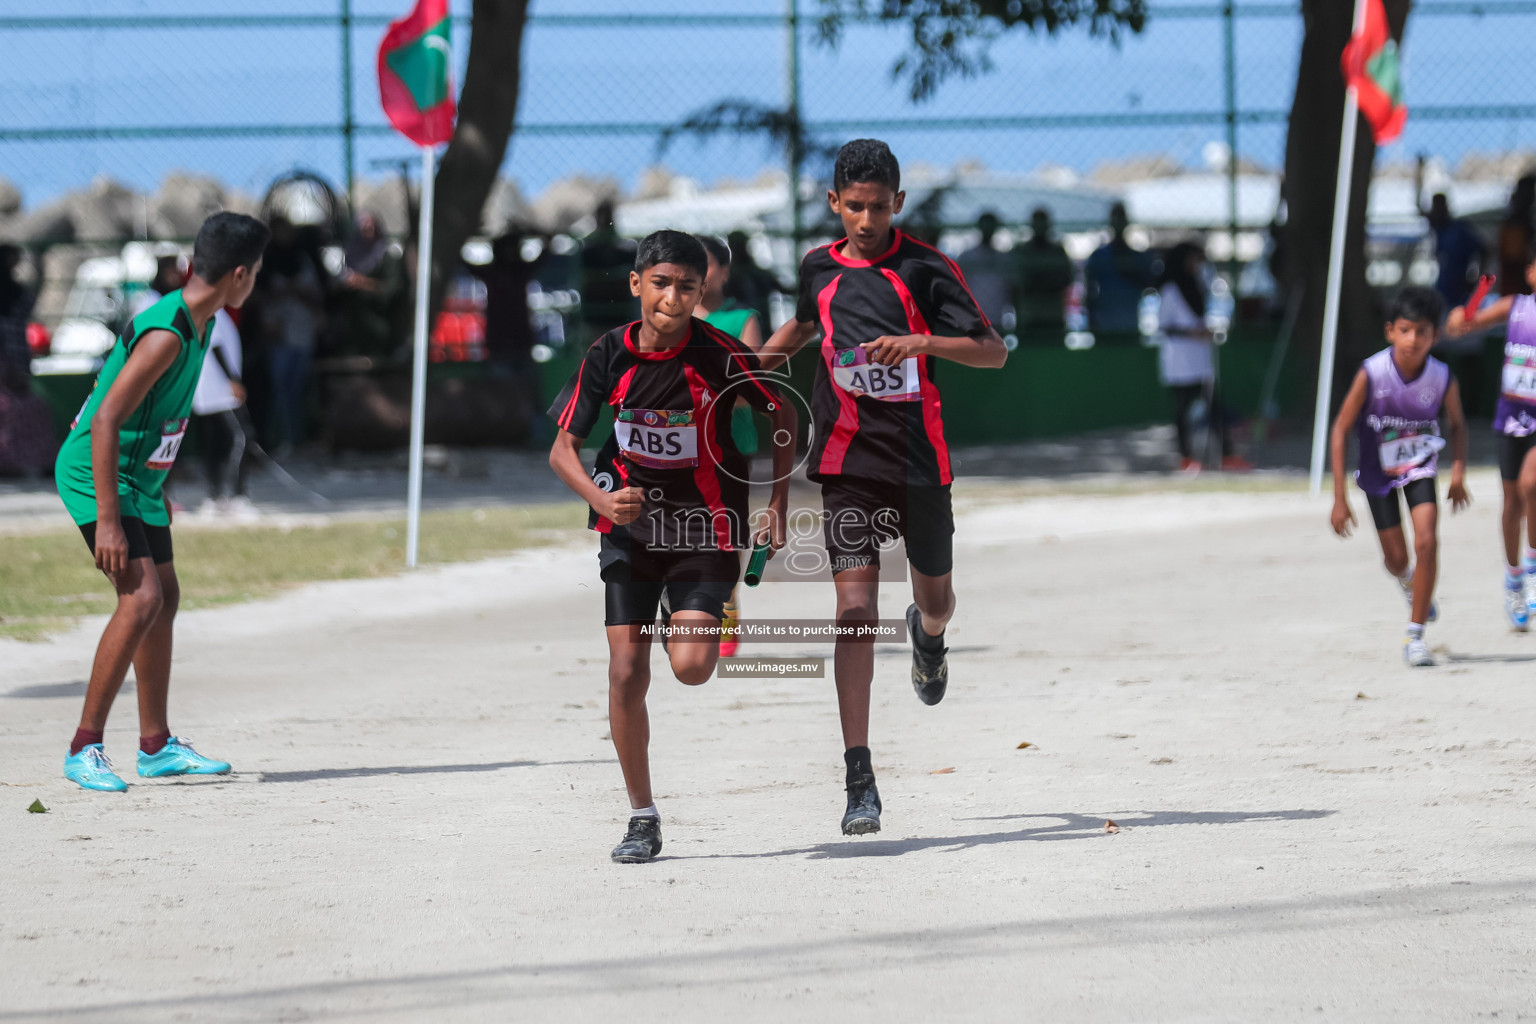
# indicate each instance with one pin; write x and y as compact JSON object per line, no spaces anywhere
{"x":348,"y":126}
{"x":1335,"y":279}
{"x":796,"y":141}
{"x":1231,"y":71}
{"x":419,"y":360}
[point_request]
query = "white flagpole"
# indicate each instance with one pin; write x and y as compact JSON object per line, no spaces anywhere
{"x":1335,"y":277}
{"x":419,"y":360}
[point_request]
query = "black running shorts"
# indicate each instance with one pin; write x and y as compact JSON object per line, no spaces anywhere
{"x":1512,"y":452}
{"x":144,"y":541}
{"x":1387,"y":510}
{"x":860,"y":515}
{"x":697,"y":581}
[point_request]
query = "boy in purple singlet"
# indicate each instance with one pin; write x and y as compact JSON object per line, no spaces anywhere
{"x":1515,"y":424}
{"x":1394,"y":407}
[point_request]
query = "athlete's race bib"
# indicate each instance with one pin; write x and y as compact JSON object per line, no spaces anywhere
{"x":1406,"y":451}
{"x":853,"y":372}
{"x":655,"y":437}
{"x":171,"y":433}
{"x":1520,"y":381}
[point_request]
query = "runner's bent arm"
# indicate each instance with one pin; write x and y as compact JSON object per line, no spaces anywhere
{"x":620,"y":507}
{"x":986,"y":351}
{"x":784,"y":421}
{"x":152,"y":355}
{"x":1460,"y":499}
{"x":786,"y":341}
{"x":1458,"y":323}
{"x":752,"y":334}
{"x":1338,"y":444}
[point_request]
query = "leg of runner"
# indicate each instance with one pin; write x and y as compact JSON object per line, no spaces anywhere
{"x":1528,"y":502}
{"x":629,"y":677}
{"x":152,"y":659}
{"x":694,"y":657}
{"x":853,"y":660}
{"x":139,"y":600}
{"x":933,"y":605}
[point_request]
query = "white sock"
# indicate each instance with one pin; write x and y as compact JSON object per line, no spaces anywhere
{"x":644,"y":812}
{"x":1530,"y":560}
{"x":1512,"y":574}
{"x":1415,"y":631}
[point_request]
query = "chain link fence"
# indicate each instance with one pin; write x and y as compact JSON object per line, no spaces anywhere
{"x":127,"y":121}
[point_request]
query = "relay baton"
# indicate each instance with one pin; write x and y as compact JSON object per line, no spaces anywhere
{"x":754,"y":574}
{"x":1484,"y":283}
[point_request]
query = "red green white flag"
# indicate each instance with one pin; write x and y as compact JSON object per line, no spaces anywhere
{"x":1371,"y":68}
{"x":415,"y":86}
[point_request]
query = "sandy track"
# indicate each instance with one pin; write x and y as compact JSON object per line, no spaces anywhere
{"x":425,"y":797}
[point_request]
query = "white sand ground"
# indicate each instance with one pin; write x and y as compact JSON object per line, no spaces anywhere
{"x":424,"y":799}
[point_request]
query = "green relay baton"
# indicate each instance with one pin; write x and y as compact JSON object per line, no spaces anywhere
{"x":755,"y":564}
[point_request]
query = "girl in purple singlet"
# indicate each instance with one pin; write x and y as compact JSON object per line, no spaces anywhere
{"x":1515,"y":424}
{"x":1393,"y":407}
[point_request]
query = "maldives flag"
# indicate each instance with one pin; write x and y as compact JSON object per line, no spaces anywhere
{"x":414,"y":83}
{"x":1371,"y":69}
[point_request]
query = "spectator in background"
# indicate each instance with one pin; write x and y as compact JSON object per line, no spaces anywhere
{"x":27,"y":445}
{"x":1517,"y":238}
{"x":168,"y":277}
{"x":509,"y":334}
{"x":218,"y":416}
{"x":373,"y":289}
{"x":1458,"y":252}
{"x":750,"y":284}
{"x":988,"y":272}
{"x":606,"y":262}
{"x":1187,"y":356}
{"x":1044,"y":274}
{"x":291,"y":295}
{"x":1115,"y":278}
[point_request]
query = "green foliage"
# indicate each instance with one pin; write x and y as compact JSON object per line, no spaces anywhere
{"x":954,"y":37}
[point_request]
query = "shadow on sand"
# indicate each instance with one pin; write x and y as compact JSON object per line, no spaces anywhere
{"x":321,"y":774}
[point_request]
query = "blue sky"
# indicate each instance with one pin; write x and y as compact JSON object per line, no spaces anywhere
{"x":607,"y":72}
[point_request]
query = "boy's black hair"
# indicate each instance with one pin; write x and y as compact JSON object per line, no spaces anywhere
{"x":667,"y":246}
{"x":866,"y":160}
{"x":1416,"y":303}
{"x":226,"y":241}
{"x":717,"y":249}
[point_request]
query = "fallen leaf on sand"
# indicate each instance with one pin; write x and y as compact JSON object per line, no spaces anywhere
{"x":1111,"y":827}
{"x":941,"y":771}
{"x":1021,"y":746}
{"x":37,"y":807}
{"x":1361,"y":696}
{"x":1162,"y":760}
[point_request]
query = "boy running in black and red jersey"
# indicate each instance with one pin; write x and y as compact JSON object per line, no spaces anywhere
{"x":681,"y":490}
{"x":887,"y":306}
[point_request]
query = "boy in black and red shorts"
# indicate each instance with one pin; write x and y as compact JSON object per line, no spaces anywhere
{"x":681,"y":489}
{"x":887,"y":307}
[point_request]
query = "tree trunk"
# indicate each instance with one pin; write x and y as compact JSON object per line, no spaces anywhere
{"x":1311,"y":177}
{"x":487,"y":112}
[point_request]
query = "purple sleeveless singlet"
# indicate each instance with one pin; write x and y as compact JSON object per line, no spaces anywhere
{"x":1399,"y":428}
{"x":1516,"y":414}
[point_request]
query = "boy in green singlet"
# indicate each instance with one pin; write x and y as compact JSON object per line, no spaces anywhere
{"x":111,"y":474}
{"x":740,"y":322}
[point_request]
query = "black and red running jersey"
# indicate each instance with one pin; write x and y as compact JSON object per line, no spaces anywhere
{"x":671,"y":441}
{"x":874,"y":421}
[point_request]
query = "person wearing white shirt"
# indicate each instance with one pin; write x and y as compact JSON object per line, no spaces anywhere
{"x":218,"y":408}
{"x":1187,"y":353}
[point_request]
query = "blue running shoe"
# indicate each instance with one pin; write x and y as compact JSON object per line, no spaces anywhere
{"x":178,"y":758}
{"x":90,"y":769}
{"x":1515,"y":607}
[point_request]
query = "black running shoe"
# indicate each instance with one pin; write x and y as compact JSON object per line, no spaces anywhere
{"x":863,"y":814}
{"x":930,"y":669}
{"x":641,"y":842}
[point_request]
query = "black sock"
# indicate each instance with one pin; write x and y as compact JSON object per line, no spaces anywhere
{"x":859,"y":763}
{"x":931,"y":644}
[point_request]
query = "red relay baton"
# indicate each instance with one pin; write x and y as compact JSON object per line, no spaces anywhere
{"x":1484,"y":283}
